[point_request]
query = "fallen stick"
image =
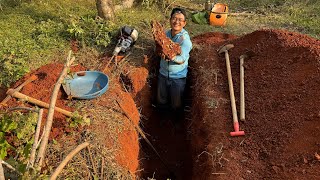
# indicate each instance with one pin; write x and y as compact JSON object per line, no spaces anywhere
{"x":10,"y":167}
{"x":102,"y":164}
{"x":29,"y":80}
{"x":36,"y":139}
{"x":106,"y":67}
{"x":92,"y":162}
{"x":67,"y":159}
{"x":53,"y":100}
{"x":2,"y":177}
{"x":23,"y":108}
{"x":36,"y":101}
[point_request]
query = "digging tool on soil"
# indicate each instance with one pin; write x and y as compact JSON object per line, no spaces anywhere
{"x":29,"y":80}
{"x":242,"y":104}
{"x":18,"y":95}
{"x":224,"y":49}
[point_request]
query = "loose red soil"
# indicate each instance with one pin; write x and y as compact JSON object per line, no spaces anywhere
{"x":127,"y":146}
{"x":282,"y":81}
{"x":41,"y":89}
{"x":282,"y":99}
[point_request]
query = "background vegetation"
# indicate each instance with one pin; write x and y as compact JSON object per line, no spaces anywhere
{"x":35,"y":32}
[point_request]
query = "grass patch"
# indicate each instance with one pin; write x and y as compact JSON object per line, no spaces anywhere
{"x":34,"y":33}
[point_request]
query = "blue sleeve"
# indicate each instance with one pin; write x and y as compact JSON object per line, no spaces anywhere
{"x":186,"y":46}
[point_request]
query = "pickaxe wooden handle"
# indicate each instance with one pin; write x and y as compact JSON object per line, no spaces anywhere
{"x":29,"y":80}
{"x":242,"y":101}
{"x":19,"y":95}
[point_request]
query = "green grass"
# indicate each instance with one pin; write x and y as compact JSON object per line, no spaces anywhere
{"x":34,"y":33}
{"x":248,"y":16}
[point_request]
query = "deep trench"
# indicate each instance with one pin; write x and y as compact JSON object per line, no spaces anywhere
{"x":169,"y":136}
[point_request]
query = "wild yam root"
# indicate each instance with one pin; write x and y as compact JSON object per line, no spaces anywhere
{"x":164,"y":45}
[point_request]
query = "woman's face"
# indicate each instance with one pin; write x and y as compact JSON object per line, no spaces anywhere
{"x":177,"y":22}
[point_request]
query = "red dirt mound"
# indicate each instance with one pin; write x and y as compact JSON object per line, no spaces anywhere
{"x":127,"y":145}
{"x":282,"y":99}
{"x":41,"y":89}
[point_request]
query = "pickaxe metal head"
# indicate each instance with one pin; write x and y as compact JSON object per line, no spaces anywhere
{"x":243,"y":56}
{"x":248,"y":54}
{"x":225,"y":48}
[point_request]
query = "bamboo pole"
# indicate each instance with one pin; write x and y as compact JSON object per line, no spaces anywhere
{"x":53,"y":100}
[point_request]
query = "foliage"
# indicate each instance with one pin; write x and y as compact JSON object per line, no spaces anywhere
{"x":90,"y":31}
{"x":32,"y":33}
{"x":78,"y":120}
{"x":19,"y":129}
{"x":148,"y":4}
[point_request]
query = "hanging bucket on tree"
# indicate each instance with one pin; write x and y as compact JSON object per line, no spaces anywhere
{"x":219,"y":14}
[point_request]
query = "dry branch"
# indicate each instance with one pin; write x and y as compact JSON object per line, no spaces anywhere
{"x":2,"y":177}
{"x":9,"y":166}
{"x":29,"y":80}
{"x":102,"y":164}
{"x":23,"y":108}
{"x":53,"y":100}
{"x":92,"y":162}
{"x":36,"y":139}
{"x":67,"y":159}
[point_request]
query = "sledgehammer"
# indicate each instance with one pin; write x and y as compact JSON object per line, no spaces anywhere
{"x":224,"y":49}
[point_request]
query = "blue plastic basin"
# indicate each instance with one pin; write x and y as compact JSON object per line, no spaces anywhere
{"x":86,"y":84}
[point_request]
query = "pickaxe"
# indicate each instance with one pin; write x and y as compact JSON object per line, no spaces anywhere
{"x":224,"y":49}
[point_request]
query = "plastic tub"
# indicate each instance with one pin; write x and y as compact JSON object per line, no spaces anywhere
{"x":219,"y":14}
{"x":86,"y":84}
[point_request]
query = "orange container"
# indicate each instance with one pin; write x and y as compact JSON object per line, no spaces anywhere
{"x":219,"y":14}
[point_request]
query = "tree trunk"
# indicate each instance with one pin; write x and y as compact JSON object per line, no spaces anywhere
{"x":105,"y":9}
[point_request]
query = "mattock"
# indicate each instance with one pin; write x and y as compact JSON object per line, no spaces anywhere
{"x":224,"y":49}
{"x":247,"y":54}
{"x":242,"y":102}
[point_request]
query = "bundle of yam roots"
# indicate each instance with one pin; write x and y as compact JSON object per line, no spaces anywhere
{"x":165,"y":47}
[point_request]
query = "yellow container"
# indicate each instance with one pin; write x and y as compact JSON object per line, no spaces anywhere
{"x":219,"y":14}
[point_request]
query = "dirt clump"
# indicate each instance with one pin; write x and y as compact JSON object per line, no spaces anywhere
{"x":164,"y":45}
